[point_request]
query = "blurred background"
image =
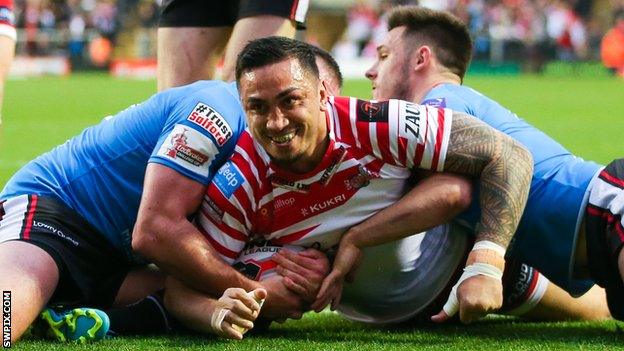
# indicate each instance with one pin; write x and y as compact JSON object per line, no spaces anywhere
{"x":510,"y":36}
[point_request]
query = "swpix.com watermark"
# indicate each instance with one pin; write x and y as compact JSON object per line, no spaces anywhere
{"x":6,"y":319}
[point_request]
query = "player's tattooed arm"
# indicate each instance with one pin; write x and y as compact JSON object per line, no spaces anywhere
{"x":504,"y":167}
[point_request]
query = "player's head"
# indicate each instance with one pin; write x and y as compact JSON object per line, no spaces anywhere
{"x":284,"y":101}
{"x":420,"y":43}
{"x":329,"y":71}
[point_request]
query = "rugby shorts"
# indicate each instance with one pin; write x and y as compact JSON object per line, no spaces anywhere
{"x":91,"y":270}
{"x":220,"y":13}
{"x":604,"y":233}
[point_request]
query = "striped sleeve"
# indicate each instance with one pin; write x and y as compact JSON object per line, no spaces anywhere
{"x":398,"y":132}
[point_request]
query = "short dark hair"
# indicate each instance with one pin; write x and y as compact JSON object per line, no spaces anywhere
{"x":330,"y":62}
{"x":266,"y":51}
{"x":444,"y":33}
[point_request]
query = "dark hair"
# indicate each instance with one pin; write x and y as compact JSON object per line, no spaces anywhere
{"x":270,"y":50}
{"x":444,"y":33}
{"x":330,"y":62}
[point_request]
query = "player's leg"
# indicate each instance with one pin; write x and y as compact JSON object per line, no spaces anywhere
{"x":529,"y":294}
{"x":138,"y":284}
{"x":30,"y":275}
{"x":186,"y":55}
{"x":251,"y":28}
{"x":557,"y":304}
{"x":262,"y":18}
{"x":191,"y":38}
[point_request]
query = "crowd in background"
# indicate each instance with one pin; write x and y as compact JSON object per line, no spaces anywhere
{"x":530,"y":31}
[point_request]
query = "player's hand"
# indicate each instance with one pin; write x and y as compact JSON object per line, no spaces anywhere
{"x":281,"y":303}
{"x":475,"y":297}
{"x":303,"y":272}
{"x":345,"y":265}
{"x":235,"y":312}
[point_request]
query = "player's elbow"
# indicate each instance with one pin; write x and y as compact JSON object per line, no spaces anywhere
{"x":145,"y":240}
{"x":459,"y":194}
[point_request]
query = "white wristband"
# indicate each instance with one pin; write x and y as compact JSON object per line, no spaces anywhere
{"x":489,"y":245}
{"x":216,"y":322}
{"x":452,"y":304}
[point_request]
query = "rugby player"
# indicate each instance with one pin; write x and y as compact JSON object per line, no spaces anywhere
{"x":322,"y":151}
{"x":419,"y":276}
{"x":69,"y":218}
{"x":193,"y":35}
{"x":423,"y":59}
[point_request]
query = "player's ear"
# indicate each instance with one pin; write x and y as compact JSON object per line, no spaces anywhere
{"x":323,"y":94}
{"x":421,"y":57}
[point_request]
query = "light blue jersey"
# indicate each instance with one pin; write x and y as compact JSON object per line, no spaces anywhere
{"x":546,"y":236}
{"x":99,"y":173}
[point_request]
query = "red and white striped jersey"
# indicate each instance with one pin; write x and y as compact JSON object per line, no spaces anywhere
{"x":7,"y":19}
{"x":373,"y":148}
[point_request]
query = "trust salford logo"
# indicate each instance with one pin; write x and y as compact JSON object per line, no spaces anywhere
{"x":180,"y":149}
{"x":209,"y":119}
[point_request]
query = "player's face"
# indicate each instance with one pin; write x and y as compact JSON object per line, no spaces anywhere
{"x":390,"y":73}
{"x":285,"y":107}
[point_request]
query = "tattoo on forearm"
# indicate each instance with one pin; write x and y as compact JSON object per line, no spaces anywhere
{"x":505,"y":168}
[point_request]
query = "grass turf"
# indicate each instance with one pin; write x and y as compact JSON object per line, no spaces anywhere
{"x":586,"y":115}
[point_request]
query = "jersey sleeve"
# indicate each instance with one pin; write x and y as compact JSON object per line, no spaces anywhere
{"x":227,"y":213}
{"x":462,"y":100}
{"x":398,"y":132}
{"x":199,"y":134}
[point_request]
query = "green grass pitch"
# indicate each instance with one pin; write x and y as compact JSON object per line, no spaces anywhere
{"x":585,"y":114}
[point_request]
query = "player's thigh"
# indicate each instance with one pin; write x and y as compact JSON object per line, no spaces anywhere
{"x":557,"y":304}
{"x":139,"y":283}
{"x":188,"y":54}
{"x":30,"y":275}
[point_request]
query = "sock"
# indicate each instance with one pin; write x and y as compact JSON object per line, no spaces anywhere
{"x":145,"y":317}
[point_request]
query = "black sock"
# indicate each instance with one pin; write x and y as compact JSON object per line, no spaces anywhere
{"x":145,"y":317}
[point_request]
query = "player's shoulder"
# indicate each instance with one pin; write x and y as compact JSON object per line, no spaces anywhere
{"x":453,"y":96}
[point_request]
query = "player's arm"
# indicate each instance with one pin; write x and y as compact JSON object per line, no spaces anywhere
{"x":504,"y":168}
{"x":434,"y":200}
{"x":164,"y":235}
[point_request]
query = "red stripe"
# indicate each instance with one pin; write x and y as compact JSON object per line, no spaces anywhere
{"x":224,"y":228}
{"x":609,"y":217}
{"x":531,"y":288}
{"x":293,"y":9}
{"x":595,"y":211}
{"x":29,"y":217}
{"x":420,"y":150}
{"x":220,"y":248}
{"x":287,"y":239}
{"x":611,"y":179}
{"x":438,"y":142}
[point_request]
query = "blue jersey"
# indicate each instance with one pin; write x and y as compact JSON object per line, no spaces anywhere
{"x":99,"y":173}
{"x":546,"y":236}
